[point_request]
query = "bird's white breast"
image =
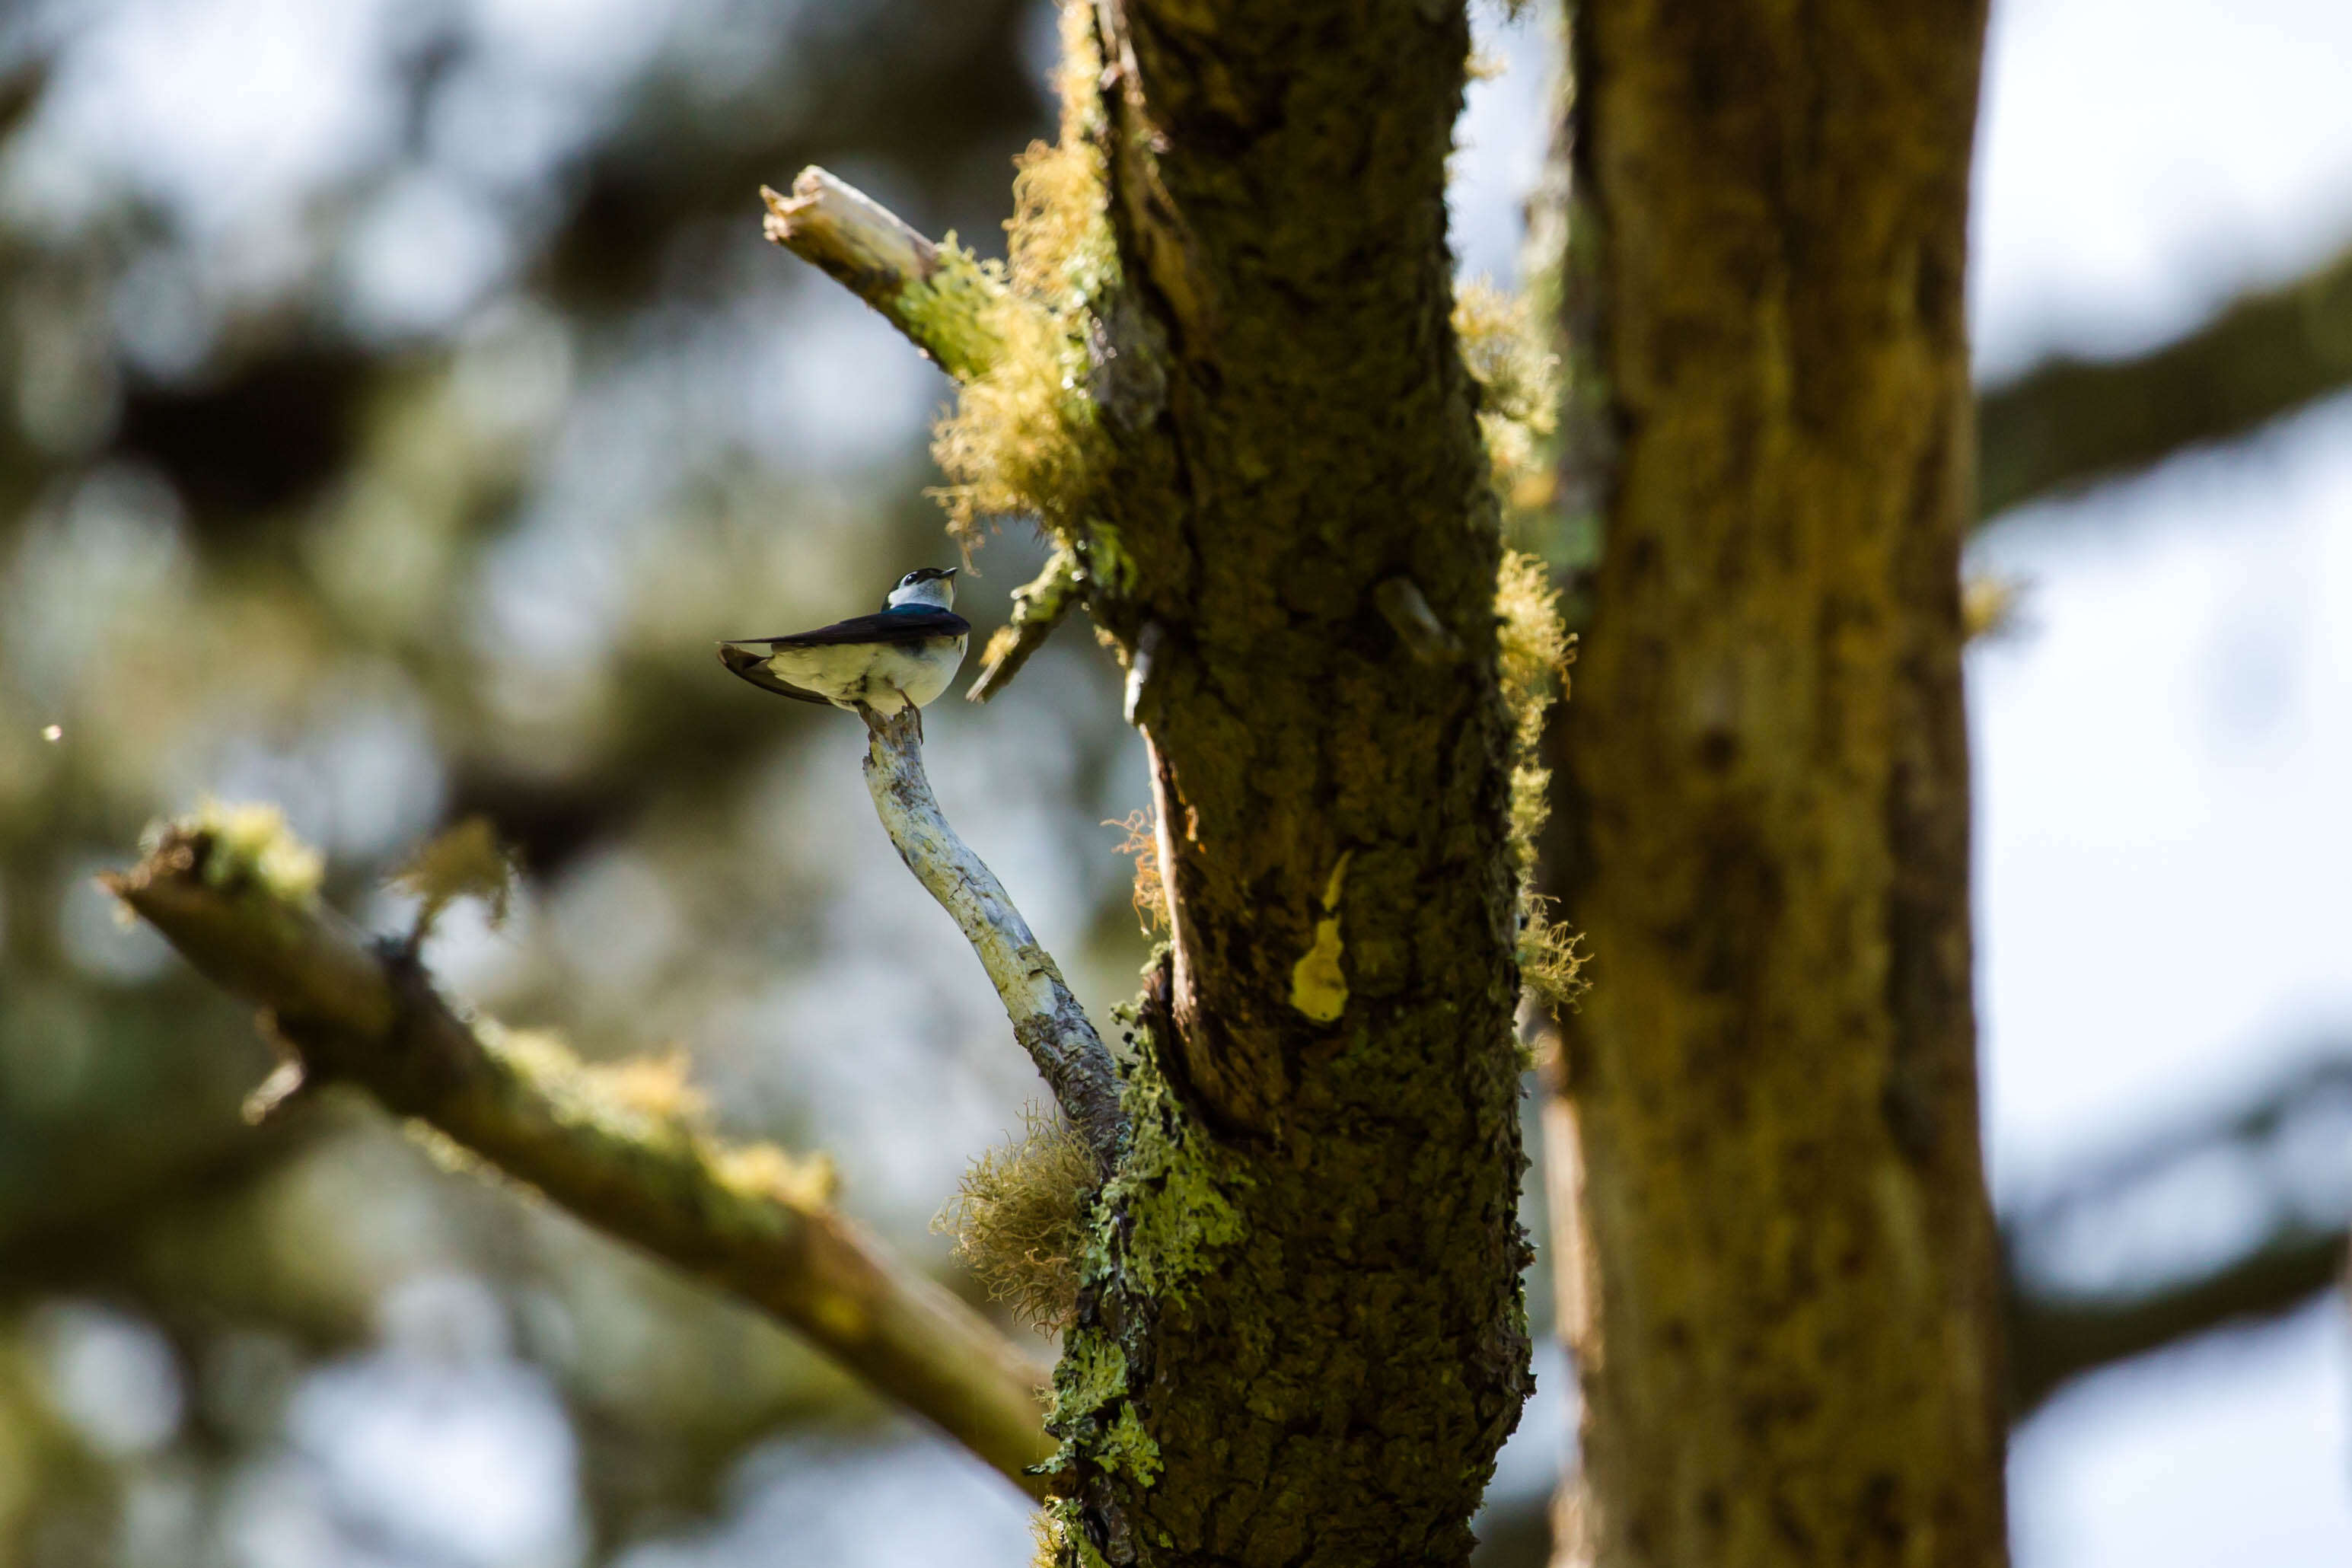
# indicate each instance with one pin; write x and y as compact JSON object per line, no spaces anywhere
{"x":885,"y":677}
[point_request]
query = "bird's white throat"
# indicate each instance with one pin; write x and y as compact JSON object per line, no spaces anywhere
{"x":939,"y":592}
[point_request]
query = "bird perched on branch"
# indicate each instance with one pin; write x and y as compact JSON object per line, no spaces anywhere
{"x":905,"y":654}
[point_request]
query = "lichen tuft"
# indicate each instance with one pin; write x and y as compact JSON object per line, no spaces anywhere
{"x":1150,"y":895}
{"x":1518,"y":386}
{"x":1534,"y":651}
{"x":1019,"y":1216}
{"x":466,"y":861}
{"x":1023,"y":435}
{"x":1549,"y":963}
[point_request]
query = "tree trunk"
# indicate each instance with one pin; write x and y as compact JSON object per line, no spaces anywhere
{"x":1778,"y":1271}
{"x":1301,"y":1339}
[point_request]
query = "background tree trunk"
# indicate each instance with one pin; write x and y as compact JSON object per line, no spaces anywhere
{"x":1779,"y":1267}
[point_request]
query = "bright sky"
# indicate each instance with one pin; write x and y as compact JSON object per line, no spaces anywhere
{"x":2165,"y":756}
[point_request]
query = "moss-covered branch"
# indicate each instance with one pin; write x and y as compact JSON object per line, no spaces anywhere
{"x":1046,"y":1018}
{"x":1038,"y":606}
{"x":2068,"y":421}
{"x":236,"y":896}
{"x":939,"y":295}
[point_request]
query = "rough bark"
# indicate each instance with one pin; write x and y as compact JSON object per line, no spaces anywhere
{"x":1779,"y":1281}
{"x":1301,"y":1336}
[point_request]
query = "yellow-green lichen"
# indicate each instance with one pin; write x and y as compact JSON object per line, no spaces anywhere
{"x":1165,"y":1217}
{"x":1091,"y":1375}
{"x":1019,"y":1218}
{"x":646,"y":1102}
{"x":1533,"y":651}
{"x":1549,"y":963}
{"x":1022,"y":436}
{"x":1128,"y":1446}
{"x":252,"y":849}
{"x":466,"y":861}
{"x":1319,"y":987}
{"x":1517,"y":374}
{"x":955,"y":310}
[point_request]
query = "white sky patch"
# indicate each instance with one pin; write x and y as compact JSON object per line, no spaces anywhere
{"x":2161,"y":777}
{"x":2139,"y":164}
{"x":1501,"y":138}
{"x":219,"y":109}
{"x":470,"y":1463}
{"x":421,"y":253}
{"x":2226,"y":1451}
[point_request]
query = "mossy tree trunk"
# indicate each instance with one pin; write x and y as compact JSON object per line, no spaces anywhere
{"x":1779,"y":1271}
{"x":1300,"y":1337}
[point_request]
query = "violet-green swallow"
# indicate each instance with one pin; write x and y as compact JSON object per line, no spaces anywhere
{"x":907,"y":653}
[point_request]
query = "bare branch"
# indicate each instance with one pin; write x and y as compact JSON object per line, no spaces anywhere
{"x":1037,"y":608}
{"x":940,"y":296}
{"x":750,"y":1219}
{"x":2068,"y":423}
{"x":1046,"y":1018}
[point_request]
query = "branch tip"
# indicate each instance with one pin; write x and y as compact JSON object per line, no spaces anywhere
{"x":938,"y":295}
{"x":1038,"y":606}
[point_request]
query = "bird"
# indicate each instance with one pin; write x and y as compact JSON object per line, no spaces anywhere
{"x":905,"y":654}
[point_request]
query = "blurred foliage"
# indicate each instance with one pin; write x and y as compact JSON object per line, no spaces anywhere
{"x":400,"y":403}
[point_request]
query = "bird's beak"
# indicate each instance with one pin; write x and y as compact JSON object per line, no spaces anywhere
{"x":950,"y":571}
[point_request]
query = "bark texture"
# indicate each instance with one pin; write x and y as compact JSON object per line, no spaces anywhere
{"x":1780,"y":1276}
{"x":1300,"y":1339}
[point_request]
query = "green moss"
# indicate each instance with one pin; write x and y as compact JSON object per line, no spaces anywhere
{"x":956,"y":310}
{"x":253,"y":850}
{"x":1128,"y":1447}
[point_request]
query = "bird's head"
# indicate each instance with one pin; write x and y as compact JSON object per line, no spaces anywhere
{"x":924,"y":586}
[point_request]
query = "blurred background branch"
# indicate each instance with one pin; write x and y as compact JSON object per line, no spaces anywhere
{"x":2124,"y":1256}
{"x":231,"y":893}
{"x":2069,"y":422}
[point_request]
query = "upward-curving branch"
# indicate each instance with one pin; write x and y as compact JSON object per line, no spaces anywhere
{"x":1046,"y":1018}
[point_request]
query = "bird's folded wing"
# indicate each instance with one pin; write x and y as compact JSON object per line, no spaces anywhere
{"x":888,"y":627}
{"x":752,"y":666}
